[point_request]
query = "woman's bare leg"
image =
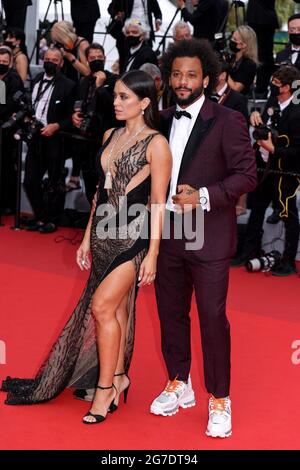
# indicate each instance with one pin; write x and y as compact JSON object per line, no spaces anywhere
{"x":121,"y":381}
{"x":105,"y":302}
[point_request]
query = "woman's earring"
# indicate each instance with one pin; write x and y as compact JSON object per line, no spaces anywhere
{"x":143,"y":112}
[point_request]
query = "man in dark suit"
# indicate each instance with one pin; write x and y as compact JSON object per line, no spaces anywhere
{"x":52,"y":97}
{"x":11,"y":83}
{"x":138,"y":52}
{"x":15,"y":12}
{"x":207,"y":18}
{"x":291,"y":53}
{"x":85,"y":14}
{"x":281,"y":186}
{"x":228,"y":97}
{"x":213,"y":164}
{"x":262,"y":17}
{"x":145,"y":10}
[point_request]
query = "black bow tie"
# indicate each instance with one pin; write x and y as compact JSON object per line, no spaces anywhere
{"x":295,"y":51}
{"x":179,"y":114}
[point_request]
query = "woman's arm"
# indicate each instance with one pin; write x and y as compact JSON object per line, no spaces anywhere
{"x":22,"y":66}
{"x":80,"y":63}
{"x":82,"y":256}
{"x":237,"y":86}
{"x":160,"y":159}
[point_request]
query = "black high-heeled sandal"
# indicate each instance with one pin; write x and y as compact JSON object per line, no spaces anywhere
{"x":99,"y":418}
{"x":113,"y":407}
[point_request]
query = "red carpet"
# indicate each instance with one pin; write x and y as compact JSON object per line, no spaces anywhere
{"x":40,"y":285}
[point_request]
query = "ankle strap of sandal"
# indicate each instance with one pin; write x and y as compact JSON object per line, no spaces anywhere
{"x":106,"y":388}
{"x":121,"y":373}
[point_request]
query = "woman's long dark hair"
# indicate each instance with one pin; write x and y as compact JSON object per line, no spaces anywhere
{"x":19,"y":35}
{"x":142,"y":84}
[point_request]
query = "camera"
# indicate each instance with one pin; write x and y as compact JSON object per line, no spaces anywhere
{"x":261,"y":132}
{"x":24,"y":124}
{"x":220,"y":46}
{"x":265,"y":263}
{"x":87,"y":126}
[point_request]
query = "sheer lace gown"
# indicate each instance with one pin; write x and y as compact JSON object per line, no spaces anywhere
{"x":73,"y":359}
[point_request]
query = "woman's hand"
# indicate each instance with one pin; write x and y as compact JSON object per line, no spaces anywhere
{"x":147,"y":270}
{"x":82,"y":255}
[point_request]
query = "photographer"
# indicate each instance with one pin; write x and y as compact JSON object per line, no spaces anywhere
{"x":291,"y":53}
{"x":242,"y":72}
{"x":73,"y":48}
{"x":207,"y":17}
{"x":262,"y":18}
{"x":84,"y":14}
{"x":93,"y":117}
{"x":15,"y":12}
{"x":122,"y":10}
{"x":13,"y":84}
{"x":278,"y":149}
{"x":52,"y":100}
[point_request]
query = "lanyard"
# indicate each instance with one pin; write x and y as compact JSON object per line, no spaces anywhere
{"x":41,"y":92}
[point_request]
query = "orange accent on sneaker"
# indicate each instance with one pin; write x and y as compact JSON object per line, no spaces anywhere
{"x":172,"y":385}
{"x":218,"y":404}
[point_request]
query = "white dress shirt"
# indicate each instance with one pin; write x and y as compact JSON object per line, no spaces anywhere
{"x":294,"y":54}
{"x":42,"y":107}
{"x":180,"y":133}
{"x":140,"y":11}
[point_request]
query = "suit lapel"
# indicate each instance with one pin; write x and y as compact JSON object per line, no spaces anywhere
{"x":200,"y":130}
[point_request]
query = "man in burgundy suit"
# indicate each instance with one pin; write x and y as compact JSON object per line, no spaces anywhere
{"x":213,"y":164}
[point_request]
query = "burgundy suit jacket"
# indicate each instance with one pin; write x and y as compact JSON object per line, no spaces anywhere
{"x":219,"y":156}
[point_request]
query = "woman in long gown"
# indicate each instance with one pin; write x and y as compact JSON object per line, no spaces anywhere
{"x":96,"y":345}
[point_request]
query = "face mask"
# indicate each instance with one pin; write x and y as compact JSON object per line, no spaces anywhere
{"x":295,"y":39}
{"x":3,"y":69}
{"x":96,"y":65}
{"x":275,"y":90}
{"x":233,"y":46}
{"x":50,"y":68}
{"x":133,"y":41}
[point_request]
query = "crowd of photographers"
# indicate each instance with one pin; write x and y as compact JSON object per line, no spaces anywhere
{"x":70,"y":106}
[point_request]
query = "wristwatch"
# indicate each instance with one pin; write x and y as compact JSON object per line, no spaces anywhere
{"x":73,"y":61}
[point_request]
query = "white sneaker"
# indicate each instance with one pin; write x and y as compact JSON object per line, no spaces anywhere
{"x":219,"y":421}
{"x":176,"y":394}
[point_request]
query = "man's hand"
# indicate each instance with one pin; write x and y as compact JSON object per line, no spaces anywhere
{"x":255,"y":119}
{"x":267,"y":144}
{"x":120,"y":15}
{"x":186,"y":196}
{"x":77,"y":119}
{"x":180,"y":3}
{"x":100,"y":78}
{"x":50,"y":129}
{"x":157,"y":25}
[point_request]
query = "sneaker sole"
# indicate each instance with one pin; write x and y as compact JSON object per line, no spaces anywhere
{"x":216,"y":434}
{"x":172,"y":412}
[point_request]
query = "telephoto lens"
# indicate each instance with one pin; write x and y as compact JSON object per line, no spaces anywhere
{"x":264,"y":263}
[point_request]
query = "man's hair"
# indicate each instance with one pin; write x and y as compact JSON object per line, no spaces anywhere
{"x":55,"y":49}
{"x":5,"y":50}
{"x":94,"y":45}
{"x":296,"y":16}
{"x":180,"y":25}
{"x":287,"y":74}
{"x":151,"y":69}
{"x":200,"y":48}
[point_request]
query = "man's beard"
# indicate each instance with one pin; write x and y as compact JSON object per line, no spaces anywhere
{"x":190,"y":99}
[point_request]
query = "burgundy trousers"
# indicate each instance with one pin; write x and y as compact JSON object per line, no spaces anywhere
{"x":179,"y":271}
